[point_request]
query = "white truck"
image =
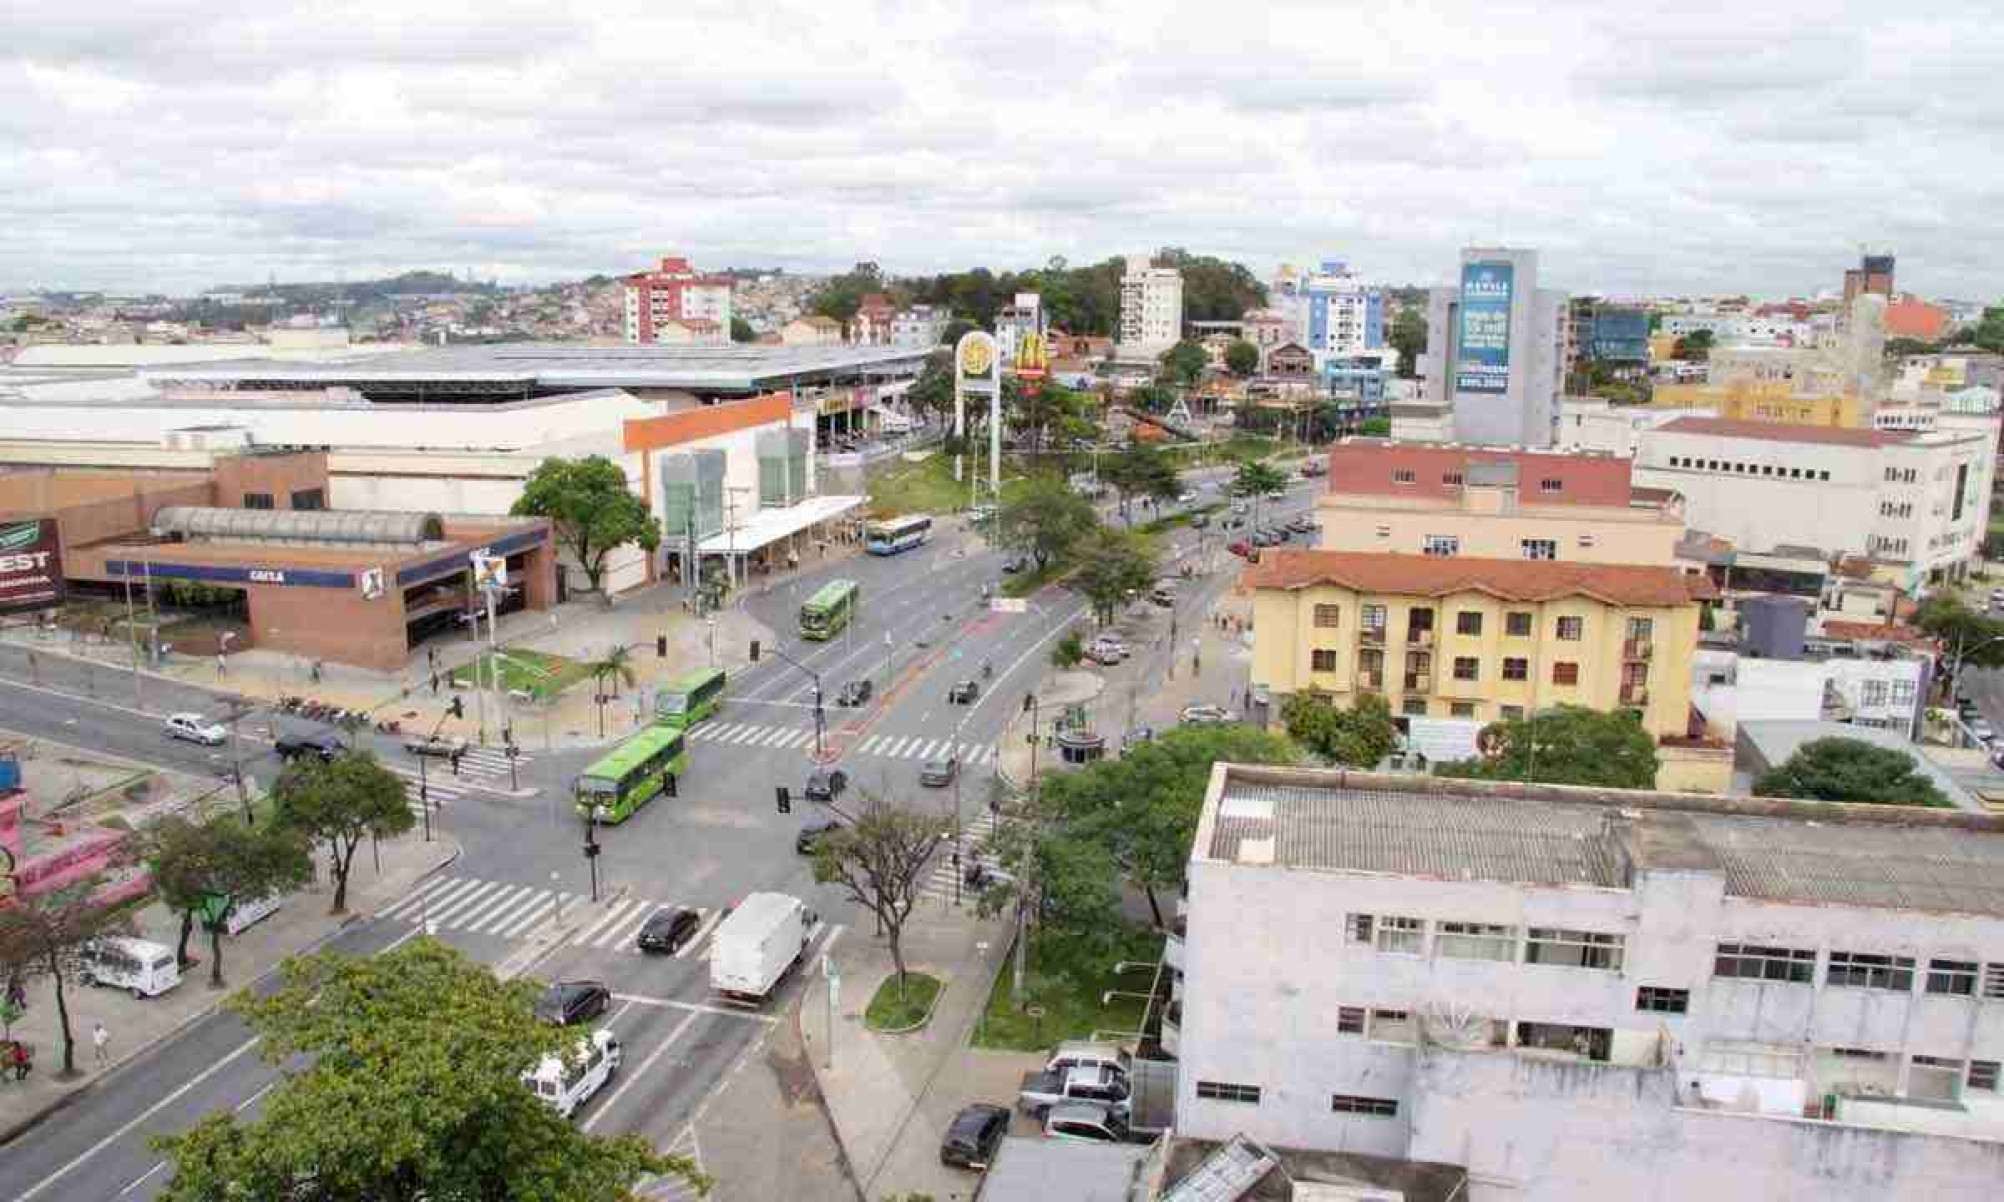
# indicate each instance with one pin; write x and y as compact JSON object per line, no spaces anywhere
{"x":755,"y":946}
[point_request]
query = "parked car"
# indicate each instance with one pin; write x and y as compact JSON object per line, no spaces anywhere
{"x":446,"y":748}
{"x":567,"y":1002}
{"x":322,"y":743}
{"x":196,"y":729}
{"x":1040,"y":1091}
{"x":1137,"y":736}
{"x":939,"y":772}
{"x":1086,"y":1122}
{"x":1265,"y":538}
{"x":963,"y":692}
{"x":810,"y":835}
{"x":1301,"y":523}
{"x":1106,"y":650}
{"x":856,"y":692}
{"x":565,"y":1083}
{"x":1089,"y":1053}
{"x":1201,"y":521}
{"x":826,"y":784}
{"x":1185,"y":497}
{"x":667,"y":930}
{"x":973,"y":1136}
{"x":1241,"y":548}
{"x":1163,"y":594}
{"x":140,"y":966}
{"x":1200,"y":715}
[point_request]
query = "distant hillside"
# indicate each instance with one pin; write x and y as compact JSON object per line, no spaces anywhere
{"x":364,"y":291}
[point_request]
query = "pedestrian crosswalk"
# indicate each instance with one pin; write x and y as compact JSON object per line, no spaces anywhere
{"x":438,"y":786}
{"x":509,"y":911}
{"x":895,"y":747}
{"x":479,"y":767}
{"x":976,"y":847}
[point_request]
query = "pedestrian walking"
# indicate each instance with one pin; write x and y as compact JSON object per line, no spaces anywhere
{"x":100,"y":1039}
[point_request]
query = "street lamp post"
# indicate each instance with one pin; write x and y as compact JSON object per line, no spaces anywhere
{"x":1030,"y":705}
{"x":592,"y":848}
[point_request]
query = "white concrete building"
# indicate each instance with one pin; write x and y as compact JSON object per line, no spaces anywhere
{"x":1591,"y":423}
{"x":1590,"y":995}
{"x":1151,"y":308}
{"x":1918,"y":502}
{"x":919,"y":326}
{"x":1830,"y":683}
{"x":1017,"y":321}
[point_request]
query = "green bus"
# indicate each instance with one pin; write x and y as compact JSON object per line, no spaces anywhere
{"x":628,"y":776}
{"x":829,"y":610}
{"x":690,"y":698}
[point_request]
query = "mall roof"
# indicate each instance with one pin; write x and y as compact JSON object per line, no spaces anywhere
{"x":1805,"y":852}
{"x":1509,"y":579}
{"x":567,"y":365}
{"x":1721,"y":427}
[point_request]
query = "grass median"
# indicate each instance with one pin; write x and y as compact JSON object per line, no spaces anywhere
{"x":1068,"y":982}
{"x":538,"y":673}
{"x":888,"y":1011}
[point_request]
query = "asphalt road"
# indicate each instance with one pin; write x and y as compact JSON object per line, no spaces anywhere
{"x":922,"y":626}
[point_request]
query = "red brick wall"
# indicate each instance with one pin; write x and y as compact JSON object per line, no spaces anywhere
{"x":1369,"y":467}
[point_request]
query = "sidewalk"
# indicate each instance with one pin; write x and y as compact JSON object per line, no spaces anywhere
{"x":891,"y":1096}
{"x":136,"y":1025}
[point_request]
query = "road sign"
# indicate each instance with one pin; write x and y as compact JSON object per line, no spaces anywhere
{"x":489,"y":571}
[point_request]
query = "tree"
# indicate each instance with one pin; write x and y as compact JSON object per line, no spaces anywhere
{"x":1967,"y":637}
{"x":1046,"y":518}
{"x":843,"y":294}
{"x":1564,"y":745}
{"x":1184,"y":362}
{"x":1242,"y":358}
{"x":741,"y":330}
{"x":1113,"y":565}
{"x":1900,"y":348}
{"x":1213,"y":289}
{"x":204,"y":870}
{"x":616,"y":665}
{"x":1989,"y":330}
{"x":1152,"y":398}
{"x":1839,"y":769}
{"x":1408,"y":338}
{"x":880,"y":859}
{"x":42,"y":934}
{"x":403,"y":1082}
{"x":1375,"y":427}
{"x":931,"y":395}
{"x":1036,"y":414}
{"x":1140,"y":470}
{"x":1695,"y":346}
{"x":340,"y":802}
{"x":956,"y":330}
{"x":1256,"y":479}
{"x":591,"y":509}
{"x":1358,"y":737}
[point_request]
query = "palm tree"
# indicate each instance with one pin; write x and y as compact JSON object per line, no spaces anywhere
{"x":616,"y":665}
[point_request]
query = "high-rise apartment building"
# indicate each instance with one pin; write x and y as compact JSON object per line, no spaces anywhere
{"x":1873,"y":274}
{"x":678,"y":304}
{"x":1334,"y":312}
{"x":1496,"y":349}
{"x":1017,"y":320}
{"x":1151,"y":308}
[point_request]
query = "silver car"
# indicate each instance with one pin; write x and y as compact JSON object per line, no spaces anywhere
{"x":196,"y":729}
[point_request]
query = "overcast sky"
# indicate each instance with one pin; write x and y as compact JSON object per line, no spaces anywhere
{"x":1641,"y":148}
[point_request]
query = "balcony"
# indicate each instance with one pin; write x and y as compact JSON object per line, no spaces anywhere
{"x":1420,"y":638}
{"x":1419,"y":682}
{"x":1637,"y":649}
{"x":1635,"y":694}
{"x":1372,"y":636}
{"x":1371,"y":682}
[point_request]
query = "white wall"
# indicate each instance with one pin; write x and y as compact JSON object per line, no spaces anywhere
{"x":1760,"y":512}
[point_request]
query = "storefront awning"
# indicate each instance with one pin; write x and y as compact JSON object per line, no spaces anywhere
{"x":770,"y":525}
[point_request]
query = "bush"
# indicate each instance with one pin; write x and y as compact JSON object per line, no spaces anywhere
{"x":1069,"y":651}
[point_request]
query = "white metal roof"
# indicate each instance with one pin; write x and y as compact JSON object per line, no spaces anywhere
{"x":771,"y":525}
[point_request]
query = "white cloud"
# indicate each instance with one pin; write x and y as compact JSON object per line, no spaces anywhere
{"x":1741,"y":147}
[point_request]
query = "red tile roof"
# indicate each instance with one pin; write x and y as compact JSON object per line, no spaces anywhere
{"x":1508,"y":579}
{"x":1721,"y":427}
{"x":1369,"y":466}
{"x":1875,"y":632}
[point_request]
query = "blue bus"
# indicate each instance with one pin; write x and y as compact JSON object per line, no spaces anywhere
{"x":897,"y":534}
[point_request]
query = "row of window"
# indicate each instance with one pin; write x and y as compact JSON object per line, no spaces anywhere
{"x":1517,"y":623}
{"x":1902,"y":475}
{"x":302,"y":498}
{"x":1877,"y":692}
{"x":1881,"y":545}
{"x":1748,"y":469}
{"x":1858,"y":970}
{"x":1469,"y":668}
{"x":1896,"y":509}
{"x":1341,"y":1103}
{"x":1405,"y":936}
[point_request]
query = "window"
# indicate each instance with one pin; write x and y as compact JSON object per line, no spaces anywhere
{"x":1466,"y":667}
{"x":1227,"y":1091}
{"x":1866,"y":970}
{"x":1359,"y":927}
{"x":1322,"y":659}
{"x":1517,"y":624}
{"x":1413,"y":707}
{"x":1347,"y":1103}
{"x":1450,"y":478}
{"x":1349,"y":1020}
{"x":1551,"y":484}
{"x":1571,"y":629}
{"x":257,"y":500}
{"x":1565,"y":672}
{"x":1512,"y":713}
{"x":1468,"y":621}
{"x":1952,"y":976}
{"x":1577,"y":949}
{"x":1440,"y":545}
{"x":1475,"y":941}
{"x":1392,"y":1026}
{"x":1872,"y":692}
{"x":1461,"y":709}
{"x":1752,"y":962}
{"x":1403,"y":475}
{"x":1402,"y":936}
{"x":1516,"y":667}
{"x":1586,"y":540}
{"x":1641,"y":628}
{"x":309,"y":498}
{"x":1384,"y":532}
{"x":1903,"y":692}
{"x":1374,"y":618}
{"x":1539,"y":548}
{"x":1993,"y":980}
{"x":1983,"y":1075}
{"x":1660,"y":1000}
{"x":1328,"y":617}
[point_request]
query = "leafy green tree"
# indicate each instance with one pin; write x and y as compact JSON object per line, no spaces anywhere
{"x":1564,"y":745}
{"x":1967,"y":637}
{"x":1038,"y":415}
{"x":955,"y":330}
{"x":1213,"y":288}
{"x":590,"y":509}
{"x":43,"y":934}
{"x":1068,"y":651}
{"x":205,"y":870}
{"x":1989,"y":330}
{"x":1408,"y":337}
{"x":1256,"y":479}
{"x":1358,"y":737}
{"x":1695,"y":346}
{"x":340,"y":802}
{"x":1839,"y":769}
{"x":1152,"y":398}
{"x":1046,"y":518}
{"x":1113,"y":564}
{"x":1900,"y":348}
{"x":741,"y":330}
{"x":842,"y":295}
{"x":1142,"y":808}
{"x":1140,"y":470}
{"x":1375,"y":427}
{"x":880,"y":857}
{"x":403,"y":1083}
{"x":616,"y":665}
{"x":1184,"y":362}
{"x":1242,"y":358}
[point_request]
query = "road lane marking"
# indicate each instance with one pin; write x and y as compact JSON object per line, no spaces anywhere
{"x":412,"y":900}
{"x":510,"y":911}
{"x":611,"y":916}
{"x":680,"y":1030}
{"x":502,"y":900}
{"x":624,"y":931}
{"x":458,"y":904}
{"x":702,"y":933}
{"x":532,"y":916}
{"x":643,"y":1000}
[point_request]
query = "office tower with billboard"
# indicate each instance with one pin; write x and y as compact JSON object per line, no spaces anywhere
{"x":1495,"y":353}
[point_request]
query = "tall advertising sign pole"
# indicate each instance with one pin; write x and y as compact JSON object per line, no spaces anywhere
{"x":977,"y":372}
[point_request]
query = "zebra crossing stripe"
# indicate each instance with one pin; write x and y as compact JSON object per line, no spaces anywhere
{"x":417,"y":897}
{"x":461,"y":904}
{"x":460,"y":888}
{"x":773,"y":738}
{"x":524,"y":919}
{"x":475,"y":918}
{"x":611,"y":916}
{"x":626,"y":928}
{"x":794,"y":738}
{"x":702,"y":933}
{"x":507,"y":911}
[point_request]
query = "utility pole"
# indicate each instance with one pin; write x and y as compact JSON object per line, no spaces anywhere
{"x":473,"y":636}
{"x":1030,"y":703}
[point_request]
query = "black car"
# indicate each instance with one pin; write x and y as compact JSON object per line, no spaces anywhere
{"x":667,"y":930}
{"x":856,"y":692}
{"x":322,"y":743}
{"x":973,"y":1136}
{"x":568,"y":1002}
{"x":963,"y":693}
{"x":826,"y":784}
{"x":810,"y":835}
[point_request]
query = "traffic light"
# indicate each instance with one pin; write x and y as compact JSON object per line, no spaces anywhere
{"x":458,"y":707}
{"x":785,"y":800}
{"x":660,"y":646}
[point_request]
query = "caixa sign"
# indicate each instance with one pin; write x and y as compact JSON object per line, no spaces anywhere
{"x":267,"y":575}
{"x":218,"y":573}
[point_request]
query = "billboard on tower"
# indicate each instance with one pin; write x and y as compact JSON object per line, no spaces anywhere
{"x":1482,"y":343}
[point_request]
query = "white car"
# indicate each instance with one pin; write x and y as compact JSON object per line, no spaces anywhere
{"x":196,"y":729}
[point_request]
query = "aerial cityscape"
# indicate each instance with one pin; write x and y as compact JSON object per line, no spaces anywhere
{"x":883,"y":604}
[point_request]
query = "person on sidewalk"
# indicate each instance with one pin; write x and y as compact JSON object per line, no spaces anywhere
{"x":100,"y":1040}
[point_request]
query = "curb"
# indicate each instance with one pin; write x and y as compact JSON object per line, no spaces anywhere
{"x":15,"y":1130}
{"x":923,"y":1018}
{"x":847,"y":1165}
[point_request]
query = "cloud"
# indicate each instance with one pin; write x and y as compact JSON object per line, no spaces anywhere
{"x":144,"y":145}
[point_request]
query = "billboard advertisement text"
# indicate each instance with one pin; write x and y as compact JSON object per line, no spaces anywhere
{"x":1482,"y":344}
{"x":31,"y":566}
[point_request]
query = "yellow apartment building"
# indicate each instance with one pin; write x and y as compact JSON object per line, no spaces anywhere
{"x":1487,"y":639}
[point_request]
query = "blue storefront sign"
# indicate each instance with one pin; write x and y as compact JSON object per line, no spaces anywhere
{"x":288,"y":577}
{"x":1482,"y":344}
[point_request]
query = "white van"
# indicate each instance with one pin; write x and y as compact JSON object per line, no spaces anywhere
{"x":146,"y":968}
{"x":247,"y":913}
{"x":567,"y":1083}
